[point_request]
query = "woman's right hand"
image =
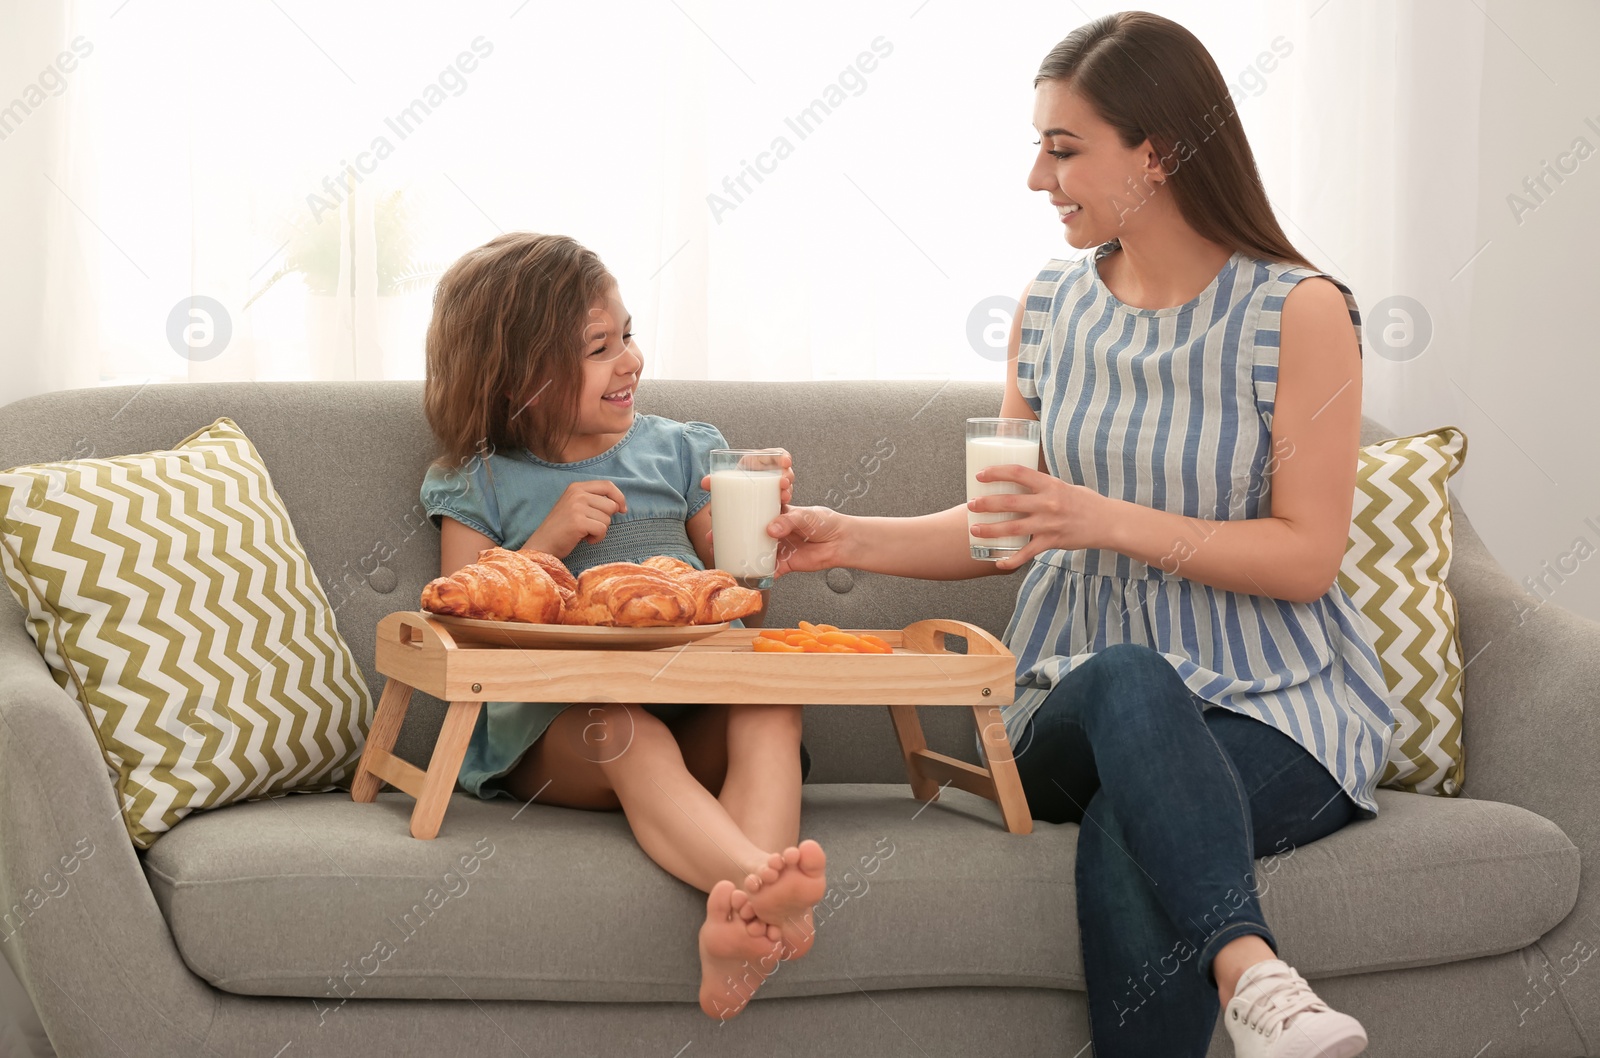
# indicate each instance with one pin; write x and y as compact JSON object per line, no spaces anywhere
{"x":582,"y":514}
{"x":810,"y":539}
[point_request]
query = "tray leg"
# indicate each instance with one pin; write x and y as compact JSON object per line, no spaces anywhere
{"x":386,"y":721}
{"x":1003,"y":770}
{"x":999,"y":782}
{"x":908,"y":729}
{"x":443,"y":769}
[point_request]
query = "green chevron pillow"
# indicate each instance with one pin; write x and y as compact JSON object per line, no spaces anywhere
{"x":170,"y":596}
{"x":1394,"y":569}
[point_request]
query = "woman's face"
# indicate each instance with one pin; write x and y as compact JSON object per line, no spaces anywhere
{"x":1095,"y":183}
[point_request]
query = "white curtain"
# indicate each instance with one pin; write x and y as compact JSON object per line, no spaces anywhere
{"x":1441,"y":156}
{"x":834,"y":192}
{"x":1372,"y":164}
{"x":47,"y":338}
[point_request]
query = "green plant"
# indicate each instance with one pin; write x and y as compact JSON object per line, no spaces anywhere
{"x":313,"y":252}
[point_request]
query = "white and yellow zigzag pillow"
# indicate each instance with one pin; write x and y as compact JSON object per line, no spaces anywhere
{"x":170,"y":596}
{"x":1394,"y":569}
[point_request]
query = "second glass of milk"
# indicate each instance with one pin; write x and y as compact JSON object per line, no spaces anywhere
{"x":745,"y":497}
{"x":990,"y":443}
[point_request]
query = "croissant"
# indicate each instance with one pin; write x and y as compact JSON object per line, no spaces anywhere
{"x":566,"y":583}
{"x":501,"y":585}
{"x":626,"y":595}
{"x":717,"y":596}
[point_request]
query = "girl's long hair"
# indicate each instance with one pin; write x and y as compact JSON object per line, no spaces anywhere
{"x":505,"y":346}
{"x":1148,"y":77}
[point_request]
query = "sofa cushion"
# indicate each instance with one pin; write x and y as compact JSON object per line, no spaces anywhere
{"x":1395,"y":567}
{"x":170,"y":596}
{"x":316,"y":895}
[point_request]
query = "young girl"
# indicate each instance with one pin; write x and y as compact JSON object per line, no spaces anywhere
{"x":532,"y":375}
{"x":1193,"y":687}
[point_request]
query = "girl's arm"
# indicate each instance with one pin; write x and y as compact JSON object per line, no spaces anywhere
{"x":459,"y":545}
{"x":699,"y":528}
{"x":1294,"y":553}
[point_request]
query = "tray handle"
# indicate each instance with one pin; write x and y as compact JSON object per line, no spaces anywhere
{"x":413,"y":628}
{"x":928,"y":637}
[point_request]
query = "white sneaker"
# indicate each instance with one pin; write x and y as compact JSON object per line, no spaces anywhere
{"x":1275,"y":1014}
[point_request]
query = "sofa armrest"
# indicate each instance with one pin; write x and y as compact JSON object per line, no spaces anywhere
{"x":80,"y":925}
{"x":1532,"y":738}
{"x":1532,"y":729}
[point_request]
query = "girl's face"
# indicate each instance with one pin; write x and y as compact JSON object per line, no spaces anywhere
{"x":611,"y":365}
{"x":1095,"y":183}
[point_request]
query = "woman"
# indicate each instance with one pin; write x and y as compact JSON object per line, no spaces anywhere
{"x":1192,"y":684}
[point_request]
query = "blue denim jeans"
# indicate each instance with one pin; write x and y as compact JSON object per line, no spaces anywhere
{"x":1174,"y":802}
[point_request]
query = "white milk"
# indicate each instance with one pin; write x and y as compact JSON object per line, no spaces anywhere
{"x":743,"y":504}
{"x":992,"y":452}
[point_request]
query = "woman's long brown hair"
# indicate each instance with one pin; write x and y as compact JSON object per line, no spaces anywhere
{"x":505,"y":346}
{"x":1148,"y":77}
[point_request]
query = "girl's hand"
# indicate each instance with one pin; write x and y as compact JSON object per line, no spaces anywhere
{"x":1054,"y":513}
{"x":785,"y":485}
{"x":583,"y":513}
{"x":809,"y":539}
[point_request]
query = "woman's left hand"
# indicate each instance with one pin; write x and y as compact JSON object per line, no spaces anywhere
{"x":1053,"y":513}
{"x":786,"y":483}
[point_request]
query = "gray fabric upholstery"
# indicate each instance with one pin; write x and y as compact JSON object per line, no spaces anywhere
{"x":357,"y":889}
{"x":107,"y":976}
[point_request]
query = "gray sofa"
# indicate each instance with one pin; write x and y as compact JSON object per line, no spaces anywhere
{"x":1453,"y":928}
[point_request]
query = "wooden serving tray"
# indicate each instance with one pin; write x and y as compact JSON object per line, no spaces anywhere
{"x":418,"y":651}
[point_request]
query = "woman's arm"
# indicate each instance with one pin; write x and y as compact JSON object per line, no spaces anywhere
{"x":1294,"y":553}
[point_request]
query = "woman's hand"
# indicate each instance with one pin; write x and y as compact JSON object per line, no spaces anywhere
{"x":1054,"y":513}
{"x":583,"y":513}
{"x":809,"y":539}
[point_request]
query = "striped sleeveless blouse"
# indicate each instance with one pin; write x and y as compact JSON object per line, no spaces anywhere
{"x":1172,"y":409}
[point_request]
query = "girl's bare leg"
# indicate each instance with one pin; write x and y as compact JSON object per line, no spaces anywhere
{"x":762,"y":789}
{"x":749,"y":757}
{"x":610,"y":755}
{"x":756,"y":748}
{"x":607,"y":755}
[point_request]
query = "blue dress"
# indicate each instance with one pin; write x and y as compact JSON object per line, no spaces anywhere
{"x":1172,"y":409}
{"x":658,"y":465}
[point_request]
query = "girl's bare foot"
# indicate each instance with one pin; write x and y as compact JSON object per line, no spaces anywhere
{"x":736,"y":955}
{"x":783,"y":892}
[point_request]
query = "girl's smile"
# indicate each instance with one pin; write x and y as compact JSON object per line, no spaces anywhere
{"x":612,"y":363}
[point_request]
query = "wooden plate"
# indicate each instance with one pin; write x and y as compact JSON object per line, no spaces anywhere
{"x":525,"y":635}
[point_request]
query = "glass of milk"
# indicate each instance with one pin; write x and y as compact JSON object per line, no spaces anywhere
{"x":745,"y":497}
{"x":992,"y":443}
